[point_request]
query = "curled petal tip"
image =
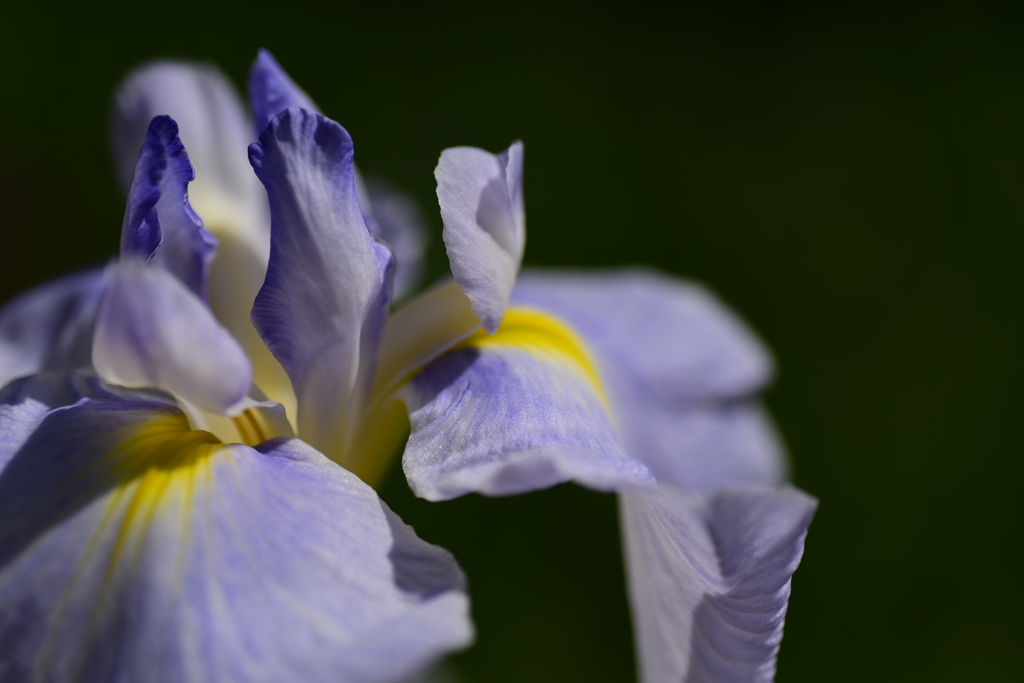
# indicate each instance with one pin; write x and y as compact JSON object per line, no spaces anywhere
{"x":480,"y":197}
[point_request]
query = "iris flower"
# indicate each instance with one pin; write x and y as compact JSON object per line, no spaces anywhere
{"x":628,"y":382}
{"x":158,"y":519}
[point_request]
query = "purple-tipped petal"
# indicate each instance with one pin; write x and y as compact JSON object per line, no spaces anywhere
{"x":215,"y":130}
{"x":272,"y":90}
{"x":709,"y":578}
{"x":390,"y":216}
{"x":159,"y":222}
{"x":154,"y":332}
{"x":50,"y":328}
{"x":512,"y":413}
{"x":484,"y":224}
{"x":212,"y":123}
{"x":323,"y":306}
{"x":133,"y":549}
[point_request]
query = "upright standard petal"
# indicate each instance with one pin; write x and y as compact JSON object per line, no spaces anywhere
{"x":50,"y":328}
{"x":322,"y":308}
{"x":390,"y":216}
{"x":709,"y":578}
{"x":484,"y":224}
{"x":214,"y":128}
{"x":272,"y":90}
{"x":516,"y":411}
{"x":154,"y":332}
{"x":159,"y":223}
{"x":134,"y":549}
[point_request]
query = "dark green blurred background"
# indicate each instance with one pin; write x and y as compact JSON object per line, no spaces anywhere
{"x":849,"y":179}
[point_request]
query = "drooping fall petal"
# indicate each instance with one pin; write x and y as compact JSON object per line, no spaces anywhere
{"x":132,"y":548}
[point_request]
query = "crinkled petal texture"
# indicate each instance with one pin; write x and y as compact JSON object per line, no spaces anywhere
{"x":133,"y":549}
{"x":213,"y":128}
{"x":159,"y":223}
{"x":681,"y":372}
{"x":323,"y":306}
{"x":709,"y":578}
{"x":516,"y":411}
{"x":481,"y":201}
{"x":50,"y":328}
{"x":152,"y":331}
{"x":226,"y":193}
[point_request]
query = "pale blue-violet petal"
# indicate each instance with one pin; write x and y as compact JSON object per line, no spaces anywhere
{"x":25,"y":403}
{"x":506,"y":419}
{"x":709,"y":578}
{"x":152,"y":331}
{"x":673,"y":336}
{"x":232,"y":202}
{"x":134,"y":549}
{"x":681,"y":372}
{"x":323,"y":306}
{"x":480,"y":195}
{"x":699,"y":445}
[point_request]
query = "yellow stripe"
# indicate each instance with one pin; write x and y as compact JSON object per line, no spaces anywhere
{"x":545,"y":335}
{"x":152,"y":460}
{"x":539,"y":333}
{"x":149,"y":462}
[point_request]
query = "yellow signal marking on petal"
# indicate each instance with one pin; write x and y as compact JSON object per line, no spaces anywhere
{"x":149,"y":462}
{"x":251,"y":427}
{"x":533,"y":331}
{"x":543,"y":334}
{"x":154,"y":459}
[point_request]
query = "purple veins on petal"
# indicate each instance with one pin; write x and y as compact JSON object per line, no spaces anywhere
{"x":709,"y":577}
{"x":521,"y":410}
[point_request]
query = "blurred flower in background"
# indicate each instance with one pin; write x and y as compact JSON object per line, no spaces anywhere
{"x":628,"y":382}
